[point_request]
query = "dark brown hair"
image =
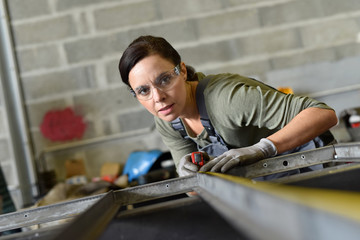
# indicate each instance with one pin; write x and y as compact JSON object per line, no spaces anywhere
{"x":145,"y":46}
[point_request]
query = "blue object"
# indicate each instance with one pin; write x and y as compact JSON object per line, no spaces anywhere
{"x":139,"y":163}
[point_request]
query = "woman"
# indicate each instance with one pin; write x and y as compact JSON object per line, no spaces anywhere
{"x":253,"y":120}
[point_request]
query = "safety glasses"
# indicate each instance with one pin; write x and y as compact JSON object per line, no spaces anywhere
{"x":163,"y":82}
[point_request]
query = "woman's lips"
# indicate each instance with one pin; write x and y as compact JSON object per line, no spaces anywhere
{"x":166,"y":110}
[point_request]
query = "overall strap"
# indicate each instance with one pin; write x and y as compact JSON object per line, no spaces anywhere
{"x":179,"y":126}
{"x":204,"y":117}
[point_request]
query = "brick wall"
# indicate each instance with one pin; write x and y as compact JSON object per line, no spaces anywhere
{"x":68,"y":53}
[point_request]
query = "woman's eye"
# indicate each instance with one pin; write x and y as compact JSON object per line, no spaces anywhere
{"x":165,"y":80}
{"x":143,"y":91}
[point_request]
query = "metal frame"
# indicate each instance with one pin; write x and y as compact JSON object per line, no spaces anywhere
{"x":261,"y":210}
{"x":337,"y":153}
{"x":16,"y":113}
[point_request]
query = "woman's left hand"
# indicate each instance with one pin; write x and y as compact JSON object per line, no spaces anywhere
{"x":241,"y":156}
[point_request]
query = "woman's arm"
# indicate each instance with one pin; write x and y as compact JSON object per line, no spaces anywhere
{"x":308,"y":124}
{"x":305,"y":126}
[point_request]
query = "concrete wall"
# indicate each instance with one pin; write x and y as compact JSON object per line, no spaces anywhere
{"x":68,"y":53}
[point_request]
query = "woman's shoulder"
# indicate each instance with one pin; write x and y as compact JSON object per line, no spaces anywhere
{"x":226,"y":80}
{"x":219,"y":84}
{"x":225,"y":83}
{"x":219,"y":92}
{"x":221,"y":76}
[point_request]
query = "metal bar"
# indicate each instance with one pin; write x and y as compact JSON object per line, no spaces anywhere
{"x":91,"y":224}
{"x":272,"y":211}
{"x":39,"y":234}
{"x":286,"y":162}
{"x":231,"y":202}
{"x":334,"y":153}
{"x":155,"y":190}
{"x":68,"y":209}
{"x":159,"y":206}
{"x":347,"y":151}
{"x":330,"y":171}
{"x":16,"y":114}
{"x":45,"y":214}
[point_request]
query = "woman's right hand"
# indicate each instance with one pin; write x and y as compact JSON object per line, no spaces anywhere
{"x":186,"y":167}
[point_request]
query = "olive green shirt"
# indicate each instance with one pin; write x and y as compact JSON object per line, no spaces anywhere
{"x":242,"y":110}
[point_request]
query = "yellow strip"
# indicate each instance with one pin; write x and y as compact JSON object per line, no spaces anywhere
{"x":343,"y":203}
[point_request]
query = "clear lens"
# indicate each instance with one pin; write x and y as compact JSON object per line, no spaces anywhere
{"x":164,"y":83}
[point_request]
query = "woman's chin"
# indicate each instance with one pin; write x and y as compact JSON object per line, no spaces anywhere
{"x":168,"y":118}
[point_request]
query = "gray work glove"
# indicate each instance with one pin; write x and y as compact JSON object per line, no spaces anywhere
{"x":241,"y":156}
{"x":186,"y":167}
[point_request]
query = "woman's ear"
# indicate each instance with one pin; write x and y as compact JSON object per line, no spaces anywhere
{"x":183,"y":70}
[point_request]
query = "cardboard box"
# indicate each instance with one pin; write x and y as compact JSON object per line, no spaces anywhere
{"x":75,"y":167}
{"x":110,"y":169}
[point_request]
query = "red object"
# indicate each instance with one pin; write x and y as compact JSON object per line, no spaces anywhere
{"x":354,"y":121}
{"x":197,"y":158}
{"x":62,"y":125}
{"x":109,"y":178}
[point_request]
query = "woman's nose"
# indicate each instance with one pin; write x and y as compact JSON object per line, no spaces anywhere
{"x":158,"y":95}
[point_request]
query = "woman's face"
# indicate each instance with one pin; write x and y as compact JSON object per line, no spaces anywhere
{"x":148,"y":78}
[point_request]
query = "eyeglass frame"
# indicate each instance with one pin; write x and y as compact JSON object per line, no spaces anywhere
{"x":177,"y":72}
